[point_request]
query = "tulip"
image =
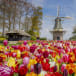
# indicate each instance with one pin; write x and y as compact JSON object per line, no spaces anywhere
{"x":55,"y":68}
{"x":37,"y":68}
{"x":25,"y":42}
{"x":18,"y":54}
{"x":32,"y":68}
{"x":45,"y":54}
{"x":48,"y":74}
{"x":8,"y":47}
{"x":11,"y":62}
{"x":22,"y":65}
{"x":26,"y":60}
{"x":65,"y":72}
{"x":62,"y":68}
{"x":6,"y":71}
{"x":5,"y":42}
{"x":32,"y":48}
{"x":14,"y":55}
{"x":23,"y":71}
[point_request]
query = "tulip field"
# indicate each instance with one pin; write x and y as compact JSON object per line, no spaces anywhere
{"x":38,"y":58}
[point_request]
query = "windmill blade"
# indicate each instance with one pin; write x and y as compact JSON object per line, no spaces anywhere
{"x":50,"y":16}
{"x":66,"y":17}
{"x":58,"y":10}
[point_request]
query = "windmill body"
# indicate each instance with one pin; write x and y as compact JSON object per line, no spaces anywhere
{"x":58,"y":30}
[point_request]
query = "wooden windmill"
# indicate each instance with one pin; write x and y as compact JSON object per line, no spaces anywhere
{"x":58,"y":30}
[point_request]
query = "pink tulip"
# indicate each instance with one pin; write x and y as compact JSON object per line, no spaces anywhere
{"x":65,"y":58}
{"x":6,"y":71}
{"x":22,"y":65}
{"x":25,"y":42}
{"x":5,"y":42}
{"x":32,"y":67}
{"x":26,"y":60}
{"x":8,"y":47}
{"x":62,"y":67}
{"x":14,"y":54}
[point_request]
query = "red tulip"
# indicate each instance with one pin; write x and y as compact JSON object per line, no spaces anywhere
{"x":23,"y":70}
{"x":48,"y":74}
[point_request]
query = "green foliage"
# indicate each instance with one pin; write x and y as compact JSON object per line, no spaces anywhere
{"x":33,"y":38}
{"x":43,"y":38}
{"x":73,"y":38}
{"x":74,"y":34}
{"x":15,"y":74}
{"x":2,"y":39}
{"x":36,"y":21}
{"x":74,"y":30}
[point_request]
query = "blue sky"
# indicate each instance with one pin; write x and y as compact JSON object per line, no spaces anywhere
{"x":67,"y":8}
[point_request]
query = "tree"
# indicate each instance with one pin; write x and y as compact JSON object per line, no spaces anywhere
{"x":36,"y":21}
{"x":12,"y":13}
{"x":74,"y":34}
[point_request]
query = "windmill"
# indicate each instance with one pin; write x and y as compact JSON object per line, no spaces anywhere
{"x":58,"y":30}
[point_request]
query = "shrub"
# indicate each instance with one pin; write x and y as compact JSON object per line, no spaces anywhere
{"x":33,"y":38}
{"x":2,"y":39}
{"x":43,"y":38}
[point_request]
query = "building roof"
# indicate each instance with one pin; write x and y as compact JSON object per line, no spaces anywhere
{"x":20,"y":32}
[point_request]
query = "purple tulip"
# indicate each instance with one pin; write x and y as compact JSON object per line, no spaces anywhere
{"x":55,"y":68}
{"x":65,"y":72}
{"x":5,"y":42}
{"x":26,"y":60}
{"x":37,"y":68}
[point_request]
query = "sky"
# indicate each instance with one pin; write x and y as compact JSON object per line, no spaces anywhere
{"x":67,"y":8}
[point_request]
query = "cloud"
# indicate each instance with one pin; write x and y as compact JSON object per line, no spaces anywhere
{"x":38,"y":2}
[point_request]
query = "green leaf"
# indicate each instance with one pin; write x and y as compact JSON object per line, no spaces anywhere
{"x":15,"y":74}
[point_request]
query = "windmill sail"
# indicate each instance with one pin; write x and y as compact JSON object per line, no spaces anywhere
{"x":58,"y":10}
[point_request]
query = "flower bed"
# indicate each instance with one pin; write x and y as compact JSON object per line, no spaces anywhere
{"x":38,"y":58}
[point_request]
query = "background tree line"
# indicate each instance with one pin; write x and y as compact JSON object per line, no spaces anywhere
{"x":73,"y":34}
{"x":20,"y":15}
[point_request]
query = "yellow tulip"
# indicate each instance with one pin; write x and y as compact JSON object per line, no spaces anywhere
{"x":43,"y":49}
{"x":18,"y":54}
{"x":28,"y":74}
{"x":29,"y":66}
{"x":57,"y":67}
{"x":11,"y":62}
{"x":31,"y":74}
{"x":12,"y":50}
{"x":30,"y":44}
{"x":75,"y":74}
